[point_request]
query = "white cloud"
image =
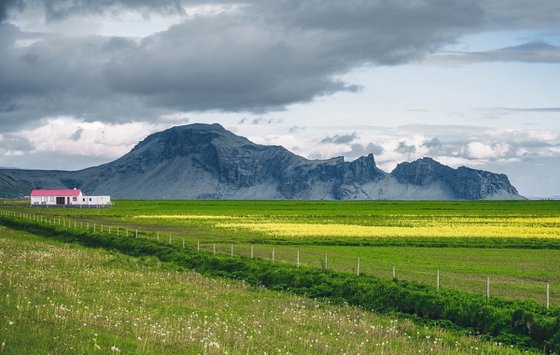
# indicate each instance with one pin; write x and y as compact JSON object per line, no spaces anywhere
{"x":479,"y":150}
{"x":66,"y":135}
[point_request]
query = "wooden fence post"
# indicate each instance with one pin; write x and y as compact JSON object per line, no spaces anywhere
{"x":297,"y":258}
{"x":231,"y":250}
{"x":437,"y":280}
{"x":252,"y":251}
{"x":488,"y":287}
{"x":198,"y":246}
{"x":547,"y":295}
{"x":272,"y":254}
{"x":394,"y":273}
{"x":326,"y":262}
{"x":214,"y":248}
{"x":358,"y":267}
{"x":183,"y":243}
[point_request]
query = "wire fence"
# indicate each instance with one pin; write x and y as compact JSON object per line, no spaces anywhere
{"x":543,"y":291}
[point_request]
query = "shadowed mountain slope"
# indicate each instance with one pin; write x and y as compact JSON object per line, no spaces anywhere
{"x":201,"y":161}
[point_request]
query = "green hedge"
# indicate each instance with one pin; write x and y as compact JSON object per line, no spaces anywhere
{"x":524,"y":324}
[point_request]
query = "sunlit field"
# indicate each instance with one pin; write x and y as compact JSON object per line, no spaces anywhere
{"x":411,"y":227}
{"x":390,"y":226}
{"x":61,"y":298}
{"x":514,"y":243}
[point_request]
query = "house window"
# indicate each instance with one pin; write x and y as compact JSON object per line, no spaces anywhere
{"x":90,"y":199}
{"x":52,"y":198}
{"x":74,"y":199}
{"x":84,"y":199}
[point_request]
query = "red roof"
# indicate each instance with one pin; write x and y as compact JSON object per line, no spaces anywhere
{"x":73,"y":192}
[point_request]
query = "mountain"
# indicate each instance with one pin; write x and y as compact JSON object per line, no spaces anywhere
{"x":200,"y":161}
{"x":9,"y":187}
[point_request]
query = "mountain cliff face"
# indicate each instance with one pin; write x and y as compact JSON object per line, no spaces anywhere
{"x":466,"y":183}
{"x":202,"y":161}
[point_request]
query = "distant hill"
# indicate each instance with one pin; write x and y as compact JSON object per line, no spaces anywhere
{"x":9,"y":187}
{"x":201,"y":161}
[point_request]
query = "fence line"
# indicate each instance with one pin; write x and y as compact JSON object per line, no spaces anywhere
{"x":314,"y":258}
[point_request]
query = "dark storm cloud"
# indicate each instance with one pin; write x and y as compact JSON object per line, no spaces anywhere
{"x":60,"y":9}
{"x":7,"y":5}
{"x":262,"y":56}
{"x":521,"y":14}
{"x":340,"y":139}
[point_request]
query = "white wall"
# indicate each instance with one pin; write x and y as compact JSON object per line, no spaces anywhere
{"x":94,"y":200}
{"x":47,"y":200}
{"x":80,"y":200}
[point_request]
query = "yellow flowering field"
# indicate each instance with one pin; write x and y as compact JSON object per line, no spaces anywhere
{"x":445,"y":227}
{"x":184,"y":217}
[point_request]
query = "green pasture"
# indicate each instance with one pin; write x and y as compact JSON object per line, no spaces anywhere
{"x":64,"y":298}
{"x":519,"y":268}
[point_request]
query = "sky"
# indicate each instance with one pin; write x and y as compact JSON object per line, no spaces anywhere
{"x":467,"y":82}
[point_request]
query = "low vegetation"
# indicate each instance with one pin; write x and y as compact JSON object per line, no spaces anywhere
{"x":515,"y":243}
{"x":63,"y":298}
{"x":525,"y":324}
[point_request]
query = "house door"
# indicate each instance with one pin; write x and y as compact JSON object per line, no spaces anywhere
{"x":60,"y":200}
{"x":67,"y":200}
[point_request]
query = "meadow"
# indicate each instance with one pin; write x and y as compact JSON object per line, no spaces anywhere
{"x":515,"y":243}
{"x":65,"y":298}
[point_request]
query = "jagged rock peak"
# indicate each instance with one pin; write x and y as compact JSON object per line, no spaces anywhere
{"x":205,"y":161}
{"x":465,"y":183}
{"x":420,"y":172}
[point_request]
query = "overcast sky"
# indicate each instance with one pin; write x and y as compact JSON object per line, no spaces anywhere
{"x":467,"y":82}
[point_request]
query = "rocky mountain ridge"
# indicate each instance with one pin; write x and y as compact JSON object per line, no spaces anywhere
{"x":202,"y":161}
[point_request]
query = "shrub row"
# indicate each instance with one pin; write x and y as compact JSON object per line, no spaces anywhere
{"x":522,"y":323}
{"x":436,"y":242}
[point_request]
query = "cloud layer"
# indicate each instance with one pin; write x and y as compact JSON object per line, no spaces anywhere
{"x":256,"y":56}
{"x":68,"y":94}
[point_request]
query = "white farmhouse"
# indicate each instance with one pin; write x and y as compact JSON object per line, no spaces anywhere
{"x":71,"y":198}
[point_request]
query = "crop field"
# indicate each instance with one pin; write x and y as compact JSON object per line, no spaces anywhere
{"x":64,"y":298}
{"x":514,"y":243}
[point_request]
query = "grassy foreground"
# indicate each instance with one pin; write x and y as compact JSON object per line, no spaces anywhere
{"x":525,"y":324}
{"x":63,"y":298}
{"x":515,"y":243}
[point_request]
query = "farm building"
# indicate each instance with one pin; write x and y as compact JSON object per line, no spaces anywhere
{"x":71,"y":198}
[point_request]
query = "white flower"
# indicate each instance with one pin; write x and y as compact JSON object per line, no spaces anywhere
{"x":114,"y":349}
{"x":214,"y":344}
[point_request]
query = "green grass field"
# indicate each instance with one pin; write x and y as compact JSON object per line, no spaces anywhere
{"x":64,"y":298}
{"x":515,"y":243}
